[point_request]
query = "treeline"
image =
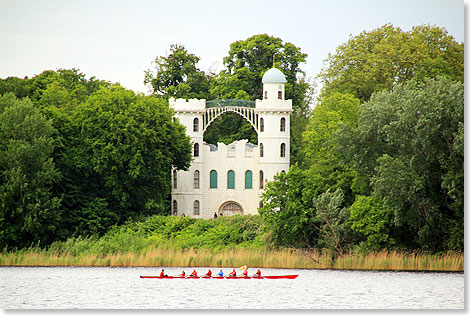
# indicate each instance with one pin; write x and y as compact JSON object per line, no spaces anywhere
{"x":377,"y":164}
{"x":78,"y":156}
{"x":384,"y":149}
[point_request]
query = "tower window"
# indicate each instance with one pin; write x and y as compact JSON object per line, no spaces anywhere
{"x":196,"y":207}
{"x":265,"y":95}
{"x":261,"y":150}
{"x":196,"y":124}
{"x":196,"y":179}
{"x":279,"y":95}
{"x":213,"y":179}
{"x":261,"y":124}
{"x":261,"y":180}
{"x":175,"y":179}
{"x":175,"y":207}
{"x":248,"y":180}
{"x":231,"y":180}
{"x":196,"y":149}
{"x":283,"y":150}
{"x":283,"y":124}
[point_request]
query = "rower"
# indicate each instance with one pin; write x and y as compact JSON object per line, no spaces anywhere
{"x":162,"y":274}
{"x":193,"y":274}
{"x":245,"y":273}
{"x":182,"y":274}
{"x":257,"y":274}
{"x":221,"y":273}
{"x":233,"y":273}
{"x":208,"y":274}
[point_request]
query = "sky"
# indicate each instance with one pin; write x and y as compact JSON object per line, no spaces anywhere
{"x":117,"y":40}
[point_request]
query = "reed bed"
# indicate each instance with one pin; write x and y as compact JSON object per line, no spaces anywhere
{"x":226,"y":258}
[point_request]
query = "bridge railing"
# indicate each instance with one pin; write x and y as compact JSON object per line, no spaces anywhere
{"x":231,"y":103}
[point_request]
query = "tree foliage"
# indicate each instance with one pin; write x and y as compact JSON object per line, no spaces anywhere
{"x":176,"y":75}
{"x":107,"y":158}
{"x":384,"y":57}
{"x":124,"y":146}
{"x":28,"y":210}
{"x":408,"y":142}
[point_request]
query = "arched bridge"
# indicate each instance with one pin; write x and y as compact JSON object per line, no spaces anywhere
{"x":244,"y":108}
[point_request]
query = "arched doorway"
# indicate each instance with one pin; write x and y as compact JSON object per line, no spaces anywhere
{"x":230,"y":208}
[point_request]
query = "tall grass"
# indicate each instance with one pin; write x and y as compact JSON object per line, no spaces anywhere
{"x":225,"y":258}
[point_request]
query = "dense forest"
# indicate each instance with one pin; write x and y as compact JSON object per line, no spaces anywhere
{"x":376,"y":164}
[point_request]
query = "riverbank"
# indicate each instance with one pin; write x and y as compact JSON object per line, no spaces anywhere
{"x":263,"y":258}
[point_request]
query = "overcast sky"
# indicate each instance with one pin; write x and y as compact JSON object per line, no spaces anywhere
{"x":117,"y":40}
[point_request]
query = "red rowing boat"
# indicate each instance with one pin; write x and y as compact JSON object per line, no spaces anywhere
{"x":238,"y":277}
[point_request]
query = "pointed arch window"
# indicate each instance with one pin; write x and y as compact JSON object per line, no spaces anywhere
{"x":196,"y":207}
{"x":261,"y":150}
{"x":283,"y":150}
{"x":213,"y":179}
{"x":196,"y":149}
{"x":283,"y":124}
{"x":196,"y":180}
{"x":175,"y":179}
{"x":231,"y":180}
{"x":261,"y":124}
{"x":196,"y":124}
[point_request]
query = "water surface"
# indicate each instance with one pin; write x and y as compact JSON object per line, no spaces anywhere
{"x":122,"y":288}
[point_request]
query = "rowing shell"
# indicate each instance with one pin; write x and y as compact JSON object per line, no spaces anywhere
{"x":263,"y":277}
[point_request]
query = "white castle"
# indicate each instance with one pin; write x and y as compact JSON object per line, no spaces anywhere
{"x":229,"y":179}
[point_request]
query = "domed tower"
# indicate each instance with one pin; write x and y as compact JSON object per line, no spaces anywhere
{"x":273,"y":126}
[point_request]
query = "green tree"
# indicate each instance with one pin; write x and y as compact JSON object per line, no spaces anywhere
{"x":369,"y":217}
{"x":409,"y":143}
{"x":28,"y":210}
{"x":384,"y":57}
{"x":288,"y":211}
{"x":123,"y":151}
{"x":177,"y":75}
{"x":331,"y":216}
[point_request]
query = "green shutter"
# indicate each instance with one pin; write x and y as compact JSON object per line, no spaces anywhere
{"x":213,"y":179}
{"x":231,"y":180}
{"x":248,"y":180}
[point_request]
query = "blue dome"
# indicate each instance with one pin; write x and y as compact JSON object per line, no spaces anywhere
{"x":274,"y":75}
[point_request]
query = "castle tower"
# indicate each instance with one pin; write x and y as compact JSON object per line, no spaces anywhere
{"x":230,"y":179}
{"x":273,"y":125}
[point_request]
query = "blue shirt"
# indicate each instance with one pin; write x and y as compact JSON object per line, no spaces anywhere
{"x":221,"y":273}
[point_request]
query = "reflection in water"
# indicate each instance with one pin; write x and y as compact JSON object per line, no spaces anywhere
{"x":122,"y":288}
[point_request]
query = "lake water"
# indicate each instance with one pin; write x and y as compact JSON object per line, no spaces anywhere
{"x":122,"y":288}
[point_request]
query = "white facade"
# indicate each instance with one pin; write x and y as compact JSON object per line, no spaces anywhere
{"x":229,"y":179}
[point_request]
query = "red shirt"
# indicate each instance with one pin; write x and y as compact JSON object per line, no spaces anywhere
{"x":209,"y":273}
{"x":233,"y":273}
{"x":245,"y":273}
{"x":194,"y":273}
{"x":162,"y":274}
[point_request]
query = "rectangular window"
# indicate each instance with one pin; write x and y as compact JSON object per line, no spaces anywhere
{"x":213,"y":179}
{"x":279,"y":95}
{"x":248,"y":180}
{"x":196,"y":207}
{"x":231,"y":180}
{"x":196,"y":179}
